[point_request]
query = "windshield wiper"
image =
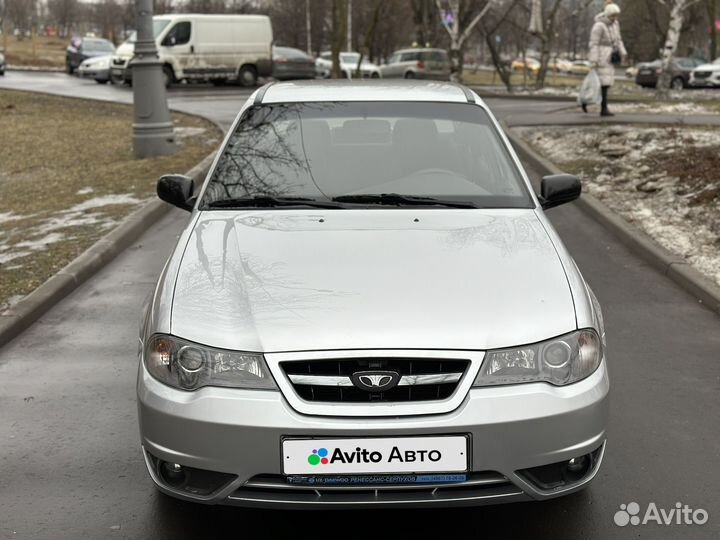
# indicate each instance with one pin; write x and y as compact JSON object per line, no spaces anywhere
{"x":395,"y":199}
{"x":265,"y":201}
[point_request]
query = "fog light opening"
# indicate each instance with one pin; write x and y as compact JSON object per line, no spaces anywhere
{"x":173,"y":474}
{"x":577,"y":468}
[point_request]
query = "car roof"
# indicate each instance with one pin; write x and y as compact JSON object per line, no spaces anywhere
{"x":363,"y":90}
{"x":419,"y":49}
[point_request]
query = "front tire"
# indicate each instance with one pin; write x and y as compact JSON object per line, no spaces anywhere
{"x":247,"y":77}
{"x":409,"y":75}
{"x":168,"y":76}
{"x":101,"y":81}
{"x":677,"y":84}
{"x":69,"y":69}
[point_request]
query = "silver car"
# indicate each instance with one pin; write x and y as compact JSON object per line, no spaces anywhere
{"x":417,"y":64}
{"x":368,"y":306}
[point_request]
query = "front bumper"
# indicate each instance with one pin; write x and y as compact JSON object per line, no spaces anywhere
{"x":239,"y":432}
{"x":97,"y":74}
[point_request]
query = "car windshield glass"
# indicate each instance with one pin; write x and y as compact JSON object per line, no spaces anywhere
{"x":98,"y":46}
{"x":322,"y":151}
{"x":349,"y":58}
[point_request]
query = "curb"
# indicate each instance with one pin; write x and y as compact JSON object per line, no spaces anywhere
{"x":668,"y":264}
{"x":35,"y":69}
{"x":38,"y":302}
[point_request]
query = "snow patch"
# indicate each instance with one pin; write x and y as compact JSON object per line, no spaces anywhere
{"x":105,"y":200}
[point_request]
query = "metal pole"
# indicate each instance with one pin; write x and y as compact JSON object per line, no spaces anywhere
{"x":349,"y":26}
{"x":153,"y":129}
{"x":308,"y":27}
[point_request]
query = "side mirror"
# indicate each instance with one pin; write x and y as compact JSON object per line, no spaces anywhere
{"x":559,"y":189}
{"x":177,"y":190}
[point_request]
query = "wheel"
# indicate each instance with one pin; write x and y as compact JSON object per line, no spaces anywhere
{"x":168,"y":76}
{"x":69,"y":69}
{"x":117,"y":78}
{"x":101,"y":81}
{"x":247,"y":76}
{"x":409,"y":75}
{"x":677,"y":84}
{"x":2,"y":72}
{"x":375,"y":75}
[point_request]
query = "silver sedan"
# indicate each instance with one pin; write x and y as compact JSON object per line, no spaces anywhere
{"x":368,"y":306}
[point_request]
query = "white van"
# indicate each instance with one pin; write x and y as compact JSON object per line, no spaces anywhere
{"x":216,"y":48}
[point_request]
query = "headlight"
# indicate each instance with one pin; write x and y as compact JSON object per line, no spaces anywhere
{"x":560,"y":361}
{"x":189,"y":366}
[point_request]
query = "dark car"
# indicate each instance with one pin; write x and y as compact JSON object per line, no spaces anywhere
{"x":289,"y":63}
{"x":81,"y":49}
{"x":680,"y":69}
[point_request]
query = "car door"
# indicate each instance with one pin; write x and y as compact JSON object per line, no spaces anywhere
{"x":178,"y":48}
{"x":390,"y":68}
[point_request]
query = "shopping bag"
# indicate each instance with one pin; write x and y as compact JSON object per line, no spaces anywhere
{"x":590,"y":93}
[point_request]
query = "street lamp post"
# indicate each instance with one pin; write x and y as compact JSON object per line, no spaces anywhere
{"x":152,"y":129}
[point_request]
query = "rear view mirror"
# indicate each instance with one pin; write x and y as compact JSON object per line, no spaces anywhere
{"x":559,"y":189}
{"x":177,"y":190}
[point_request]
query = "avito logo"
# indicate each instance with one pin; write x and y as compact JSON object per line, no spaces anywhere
{"x":318,"y":456}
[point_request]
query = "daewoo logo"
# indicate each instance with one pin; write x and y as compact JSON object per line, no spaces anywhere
{"x":375,"y":381}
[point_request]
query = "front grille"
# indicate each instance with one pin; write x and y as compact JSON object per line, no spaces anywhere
{"x":421,"y":379}
{"x":118,"y":62}
{"x":275,"y":489}
{"x":702,"y":74}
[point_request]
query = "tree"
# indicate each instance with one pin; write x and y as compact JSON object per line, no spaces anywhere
{"x":339,"y":34}
{"x":366,"y":49}
{"x":711,"y":6}
{"x":459,"y":19}
{"x":425,"y":21}
{"x":64,"y":13}
{"x":672,"y":37}
{"x":489,"y":31}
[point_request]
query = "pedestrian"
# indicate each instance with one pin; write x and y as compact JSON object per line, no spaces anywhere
{"x":606,"y":51}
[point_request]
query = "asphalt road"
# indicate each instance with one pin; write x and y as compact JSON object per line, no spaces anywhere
{"x":70,"y":465}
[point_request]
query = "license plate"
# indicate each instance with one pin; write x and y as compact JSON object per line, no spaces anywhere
{"x":376,"y":455}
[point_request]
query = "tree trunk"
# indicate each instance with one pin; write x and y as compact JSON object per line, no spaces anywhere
{"x":677,"y":14}
{"x":547,"y":39}
{"x":369,"y":35}
{"x":712,"y":15}
{"x":339,"y":31}
{"x":497,"y":62}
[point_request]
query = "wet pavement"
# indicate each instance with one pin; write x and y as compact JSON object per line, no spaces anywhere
{"x":70,"y":464}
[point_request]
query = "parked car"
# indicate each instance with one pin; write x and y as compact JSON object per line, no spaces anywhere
{"x":632,"y":71}
{"x":417,"y":64}
{"x":560,"y":65}
{"x":580,"y":67}
{"x":214,"y":48}
{"x":348,"y":66}
{"x":528,"y":64}
{"x":97,"y":68}
{"x":289,"y":63}
{"x":2,"y":64}
{"x":80,"y":49}
{"x":306,"y":346}
{"x":649,"y":73}
{"x":706,"y":75}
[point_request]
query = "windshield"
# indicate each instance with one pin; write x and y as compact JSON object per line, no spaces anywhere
{"x":322,"y":151}
{"x":98,"y":46}
{"x":158,"y":26}
{"x":349,"y":58}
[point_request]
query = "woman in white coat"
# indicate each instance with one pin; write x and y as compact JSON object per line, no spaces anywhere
{"x":606,"y":50}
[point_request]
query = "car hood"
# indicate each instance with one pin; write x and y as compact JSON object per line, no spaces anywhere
{"x":707,"y":67}
{"x":126,"y":49}
{"x":272,"y":281}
